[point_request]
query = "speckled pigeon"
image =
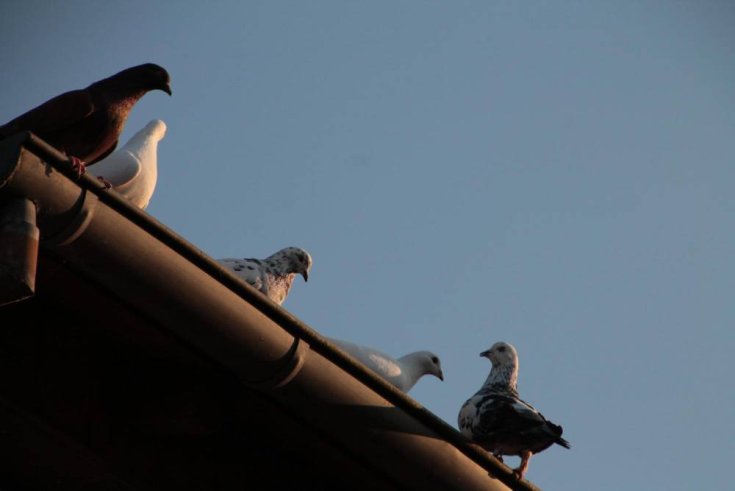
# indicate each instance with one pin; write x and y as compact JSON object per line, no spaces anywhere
{"x":499,"y":421}
{"x":274,"y":275}
{"x":85,"y":124}
{"x":403,"y":372}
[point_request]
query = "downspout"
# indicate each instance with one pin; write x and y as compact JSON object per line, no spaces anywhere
{"x":18,"y":249}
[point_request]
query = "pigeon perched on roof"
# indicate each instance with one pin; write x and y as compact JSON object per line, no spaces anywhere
{"x":132,"y":170}
{"x":274,"y":275}
{"x":499,"y":421}
{"x":86,"y":123}
{"x":403,"y":372}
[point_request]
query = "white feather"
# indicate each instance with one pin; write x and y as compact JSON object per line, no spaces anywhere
{"x":403,"y":372}
{"x":133,"y":169}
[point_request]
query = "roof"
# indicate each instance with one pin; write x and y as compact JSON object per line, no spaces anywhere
{"x":141,"y":363}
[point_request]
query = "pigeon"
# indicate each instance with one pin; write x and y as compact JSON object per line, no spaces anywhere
{"x":499,"y":421}
{"x":132,"y":169}
{"x":274,"y":275}
{"x":403,"y":372}
{"x":85,"y":124}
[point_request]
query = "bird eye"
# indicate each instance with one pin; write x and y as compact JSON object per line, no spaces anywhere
{"x":501,"y":349}
{"x":434,"y":359}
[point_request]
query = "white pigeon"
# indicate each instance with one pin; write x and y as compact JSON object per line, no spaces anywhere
{"x":499,"y":421}
{"x":274,"y":275}
{"x":132,"y":170}
{"x":403,"y":372}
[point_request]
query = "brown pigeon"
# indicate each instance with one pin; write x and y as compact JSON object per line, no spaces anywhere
{"x":86,"y":124}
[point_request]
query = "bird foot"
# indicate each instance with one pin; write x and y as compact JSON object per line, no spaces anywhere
{"x":78,"y":166}
{"x":107,"y":184}
{"x":521,"y":470}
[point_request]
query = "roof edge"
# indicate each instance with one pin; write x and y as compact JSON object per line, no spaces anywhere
{"x":246,"y":332}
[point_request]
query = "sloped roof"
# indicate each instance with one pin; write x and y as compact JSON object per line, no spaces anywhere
{"x":141,"y":363}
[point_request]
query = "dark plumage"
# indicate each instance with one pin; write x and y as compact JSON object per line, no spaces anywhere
{"x":87,"y":123}
{"x":499,"y":421}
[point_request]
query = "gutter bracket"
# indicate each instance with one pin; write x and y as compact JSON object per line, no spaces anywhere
{"x":77,"y":223}
{"x":287,"y":370}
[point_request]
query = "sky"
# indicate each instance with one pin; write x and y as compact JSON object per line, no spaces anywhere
{"x":556,"y":175}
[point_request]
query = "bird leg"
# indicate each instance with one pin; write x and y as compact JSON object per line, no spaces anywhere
{"x":521,"y":470}
{"x":107,"y":184}
{"x":78,"y":166}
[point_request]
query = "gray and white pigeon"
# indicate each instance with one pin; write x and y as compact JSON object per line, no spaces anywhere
{"x":403,"y":372}
{"x":499,"y":421}
{"x":133,"y":169}
{"x":274,"y":275}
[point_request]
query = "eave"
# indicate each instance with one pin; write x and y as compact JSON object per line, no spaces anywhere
{"x":115,"y":269}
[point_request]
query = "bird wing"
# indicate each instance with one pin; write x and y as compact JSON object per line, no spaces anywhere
{"x":248,"y":270}
{"x":120,"y":168}
{"x":505,"y":413}
{"x":374,"y":359}
{"x":56,"y":113}
{"x":547,"y":427}
{"x":385,"y":366}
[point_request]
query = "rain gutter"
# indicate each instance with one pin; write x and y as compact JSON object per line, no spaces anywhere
{"x":265,"y":346}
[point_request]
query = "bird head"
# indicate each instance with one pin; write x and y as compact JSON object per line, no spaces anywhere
{"x":296,"y":260}
{"x":431,"y":364}
{"x":157,"y":77}
{"x":501,"y":354}
{"x":156,"y":128}
{"x":148,"y":76}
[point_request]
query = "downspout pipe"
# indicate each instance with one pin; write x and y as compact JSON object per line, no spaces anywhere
{"x":18,"y":249}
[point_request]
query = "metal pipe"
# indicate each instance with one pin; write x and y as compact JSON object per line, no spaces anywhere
{"x":18,"y":249}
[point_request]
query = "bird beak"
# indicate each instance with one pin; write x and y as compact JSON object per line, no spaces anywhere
{"x":485,"y":354}
{"x":167,"y":88}
{"x":441,"y":375}
{"x":305,"y":274}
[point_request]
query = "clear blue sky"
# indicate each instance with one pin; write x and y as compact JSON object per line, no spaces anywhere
{"x":557,"y":175}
